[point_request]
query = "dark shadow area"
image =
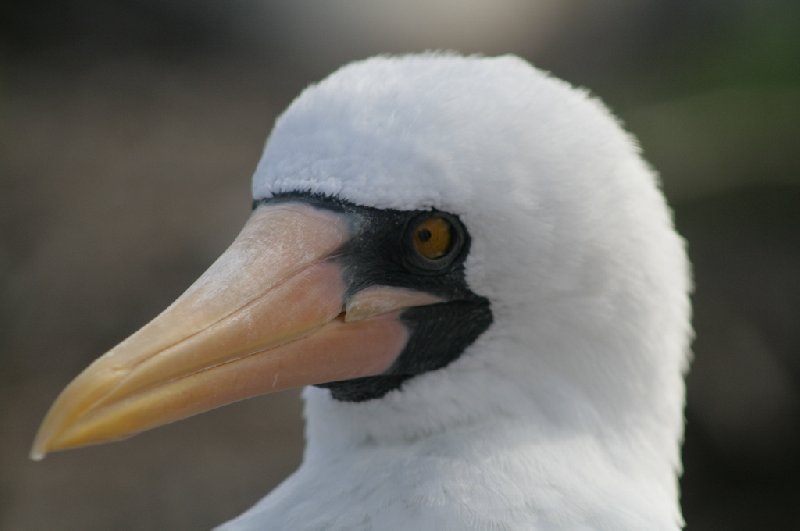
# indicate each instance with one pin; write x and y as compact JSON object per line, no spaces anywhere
{"x":743,"y":415}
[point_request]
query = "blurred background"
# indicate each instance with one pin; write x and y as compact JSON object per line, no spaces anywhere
{"x":128,"y":134}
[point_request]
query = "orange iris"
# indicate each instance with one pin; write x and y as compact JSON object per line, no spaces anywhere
{"x":433,"y":237}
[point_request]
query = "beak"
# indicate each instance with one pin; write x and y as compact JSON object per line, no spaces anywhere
{"x":270,"y":314}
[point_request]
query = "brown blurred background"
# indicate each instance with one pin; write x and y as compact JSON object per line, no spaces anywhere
{"x":128,"y":133}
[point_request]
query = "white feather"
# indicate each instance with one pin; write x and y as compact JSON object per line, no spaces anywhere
{"x":567,"y":412}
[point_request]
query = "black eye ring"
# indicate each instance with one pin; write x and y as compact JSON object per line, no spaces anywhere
{"x":419,"y":263}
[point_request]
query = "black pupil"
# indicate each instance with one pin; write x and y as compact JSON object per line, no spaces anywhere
{"x":424,"y":235}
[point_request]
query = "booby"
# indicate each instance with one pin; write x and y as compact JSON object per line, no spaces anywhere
{"x":475,"y":274}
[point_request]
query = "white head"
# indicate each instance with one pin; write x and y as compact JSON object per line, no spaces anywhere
{"x":572,"y":242}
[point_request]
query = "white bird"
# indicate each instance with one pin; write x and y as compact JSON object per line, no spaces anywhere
{"x":476,"y":274}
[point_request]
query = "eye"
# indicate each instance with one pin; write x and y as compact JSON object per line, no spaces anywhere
{"x":434,"y":240}
{"x":433,"y":237}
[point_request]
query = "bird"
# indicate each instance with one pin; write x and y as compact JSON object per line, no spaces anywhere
{"x":473,"y":273}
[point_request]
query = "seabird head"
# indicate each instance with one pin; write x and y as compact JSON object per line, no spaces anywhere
{"x":436,"y":241}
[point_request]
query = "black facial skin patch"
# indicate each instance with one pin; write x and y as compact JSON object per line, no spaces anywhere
{"x":379,"y":254}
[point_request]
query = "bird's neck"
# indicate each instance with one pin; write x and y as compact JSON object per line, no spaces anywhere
{"x":539,"y":465}
{"x":604,"y":431}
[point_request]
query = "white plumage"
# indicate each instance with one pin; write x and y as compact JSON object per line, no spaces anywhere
{"x":567,"y":412}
